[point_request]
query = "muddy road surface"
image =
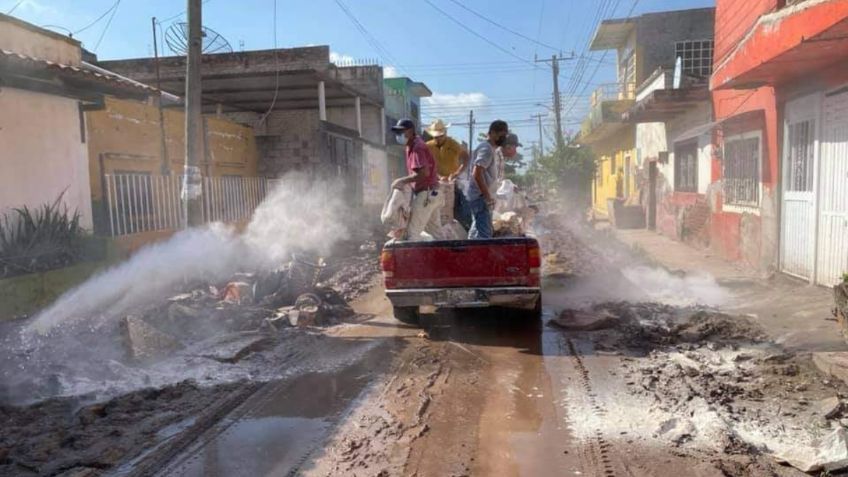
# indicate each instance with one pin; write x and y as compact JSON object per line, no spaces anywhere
{"x":631,"y":371}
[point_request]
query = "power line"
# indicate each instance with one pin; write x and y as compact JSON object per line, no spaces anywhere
{"x":106,"y":28}
{"x":375,"y":43}
{"x":518,"y":34}
{"x":478,"y":35}
{"x":15,"y":7}
{"x":165,"y":20}
{"x":276,"y":71}
{"x":114,"y":5}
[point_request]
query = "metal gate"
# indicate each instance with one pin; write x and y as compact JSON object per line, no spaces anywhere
{"x":832,"y":253}
{"x":798,"y":225}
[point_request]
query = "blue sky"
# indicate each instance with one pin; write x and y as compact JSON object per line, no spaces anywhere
{"x":412,"y":38}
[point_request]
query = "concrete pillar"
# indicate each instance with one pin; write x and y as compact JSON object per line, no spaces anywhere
{"x":322,"y":102}
{"x":219,"y":110}
{"x":383,"y":125}
{"x":358,"y":106}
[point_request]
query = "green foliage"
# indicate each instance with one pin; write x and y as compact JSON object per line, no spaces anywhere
{"x":39,"y":239}
{"x":845,"y":277}
{"x":565,"y":172}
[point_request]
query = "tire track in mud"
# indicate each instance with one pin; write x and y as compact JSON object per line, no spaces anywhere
{"x":600,"y":450}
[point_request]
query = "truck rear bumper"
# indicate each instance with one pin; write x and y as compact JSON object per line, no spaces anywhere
{"x":515,"y":297}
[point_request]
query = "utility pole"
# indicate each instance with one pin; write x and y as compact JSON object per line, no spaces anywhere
{"x":192,"y":193}
{"x":557,"y":103}
{"x":541,"y":142}
{"x":470,"y":132}
{"x":165,"y":166}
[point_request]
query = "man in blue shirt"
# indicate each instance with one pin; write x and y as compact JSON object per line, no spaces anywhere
{"x":484,"y":175}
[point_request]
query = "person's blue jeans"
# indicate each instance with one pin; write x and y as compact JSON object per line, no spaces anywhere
{"x":481,"y":219}
{"x":461,"y":210}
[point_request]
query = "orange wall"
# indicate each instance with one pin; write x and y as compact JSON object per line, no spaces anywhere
{"x":733,"y":20}
{"x":126,"y":137}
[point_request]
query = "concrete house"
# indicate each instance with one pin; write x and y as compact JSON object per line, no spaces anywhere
{"x":45,"y":90}
{"x":673,"y":117}
{"x":307,"y":113}
{"x":643,"y":44}
{"x":780,"y":93}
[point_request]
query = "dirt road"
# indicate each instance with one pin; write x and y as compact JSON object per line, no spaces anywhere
{"x":625,"y":375}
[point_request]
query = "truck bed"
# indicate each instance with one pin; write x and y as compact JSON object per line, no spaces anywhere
{"x":463,"y":263}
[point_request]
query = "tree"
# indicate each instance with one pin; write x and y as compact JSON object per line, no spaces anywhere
{"x":564,"y":173}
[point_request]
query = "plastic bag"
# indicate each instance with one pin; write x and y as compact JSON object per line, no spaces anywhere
{"x":397,"y":210}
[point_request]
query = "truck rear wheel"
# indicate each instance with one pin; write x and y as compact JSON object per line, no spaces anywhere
{"x":407,"y":314}
{"x":535,"y":313}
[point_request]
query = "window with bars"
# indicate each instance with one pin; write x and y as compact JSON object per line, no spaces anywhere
{"x":696,"y":57}
{"x":799,"y":166}
{"x":742,"y":170}
{"x":686,"y":167}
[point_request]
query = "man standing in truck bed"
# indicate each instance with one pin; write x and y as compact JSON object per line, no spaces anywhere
{"x":421,"y":167}
{"x":484,"y":174}
{"x":451,"y":160}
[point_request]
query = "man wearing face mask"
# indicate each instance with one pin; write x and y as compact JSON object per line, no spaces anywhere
{"x":484,"y":175}
{"x":421,"y":167}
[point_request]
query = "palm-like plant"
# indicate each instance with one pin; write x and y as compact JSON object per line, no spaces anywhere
{"x":37,"y":239}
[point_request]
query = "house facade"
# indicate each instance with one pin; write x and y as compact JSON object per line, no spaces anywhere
{"x":46,"y":91}
{"x":643,"y":45}
{"x":673,"y":118}
{"x":780,"y":162}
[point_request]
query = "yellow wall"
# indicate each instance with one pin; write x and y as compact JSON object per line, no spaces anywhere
{"x":125,"y":137}
{"x":604,"y":186}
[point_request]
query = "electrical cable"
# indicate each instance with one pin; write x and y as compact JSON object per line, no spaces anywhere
{"x":114,"y":5}
{"x":106,"y":28}
{"x":178,"y":14}
{"x":505,"y":28}
{"x":15,"y":7}
{"x":478,"y":35}
{"x":276,"y":72}
{"x":370,"y":38}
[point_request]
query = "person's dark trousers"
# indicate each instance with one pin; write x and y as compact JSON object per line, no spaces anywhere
{"x":461,"y":210}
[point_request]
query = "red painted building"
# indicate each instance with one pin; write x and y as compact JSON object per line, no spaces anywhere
{"x":779,"y":194}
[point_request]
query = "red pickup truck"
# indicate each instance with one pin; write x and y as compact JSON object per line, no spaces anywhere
{"x":462,"y":274}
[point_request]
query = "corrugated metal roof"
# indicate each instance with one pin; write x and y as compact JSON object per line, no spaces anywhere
{"x":12,"y":61}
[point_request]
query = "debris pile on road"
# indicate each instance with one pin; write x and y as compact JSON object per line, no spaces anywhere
{"x":565,"y":254}
{"x":718,"y":380}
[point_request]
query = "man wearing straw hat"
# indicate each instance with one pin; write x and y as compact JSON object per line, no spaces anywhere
{"x":451,"y":160}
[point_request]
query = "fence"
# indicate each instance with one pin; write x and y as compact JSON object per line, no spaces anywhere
{"x":141,"y":202}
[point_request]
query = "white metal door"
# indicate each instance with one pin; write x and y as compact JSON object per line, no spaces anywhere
{"x":832,"y":253}
{"x":798,"y":221}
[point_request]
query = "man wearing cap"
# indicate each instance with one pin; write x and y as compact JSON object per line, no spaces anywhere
{"x":421,"y":167}
{"x":484,"y":174}
{"x":451,"y":159}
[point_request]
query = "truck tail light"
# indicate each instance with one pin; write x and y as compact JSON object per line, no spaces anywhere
{"x":534,"y":258}
{"x":387,"y":263}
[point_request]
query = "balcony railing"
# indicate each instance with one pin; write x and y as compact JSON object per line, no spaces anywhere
{"x":613,"y":92}
{"x":139,"y":203}
{"x":607,"y":103}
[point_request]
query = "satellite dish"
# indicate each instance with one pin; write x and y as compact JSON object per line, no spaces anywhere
{"x":176,"y":37}
{"x":678,"y":72}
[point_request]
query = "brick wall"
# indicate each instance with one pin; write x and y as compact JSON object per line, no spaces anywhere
{"x":288,"y":142}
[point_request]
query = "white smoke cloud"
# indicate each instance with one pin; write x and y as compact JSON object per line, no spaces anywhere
{"x":341,"y":59}
{"x":298,"y":215}
{"x":390,"y":72}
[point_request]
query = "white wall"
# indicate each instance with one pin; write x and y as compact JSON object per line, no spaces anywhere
{"x":650,"y":141}
{"x":42,"y":153}
{"x":375,"y":175}
{"x":30,"y":40}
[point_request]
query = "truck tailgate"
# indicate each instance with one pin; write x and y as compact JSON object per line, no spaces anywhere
{"x":462,"y":263}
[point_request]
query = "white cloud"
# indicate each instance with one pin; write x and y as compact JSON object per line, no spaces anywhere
{"x":390,"y":72}
{"x":340,"y":59}
{"x":454,"y":101}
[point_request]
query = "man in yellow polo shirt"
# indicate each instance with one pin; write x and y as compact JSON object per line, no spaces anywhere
{"x":451,"y":160}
